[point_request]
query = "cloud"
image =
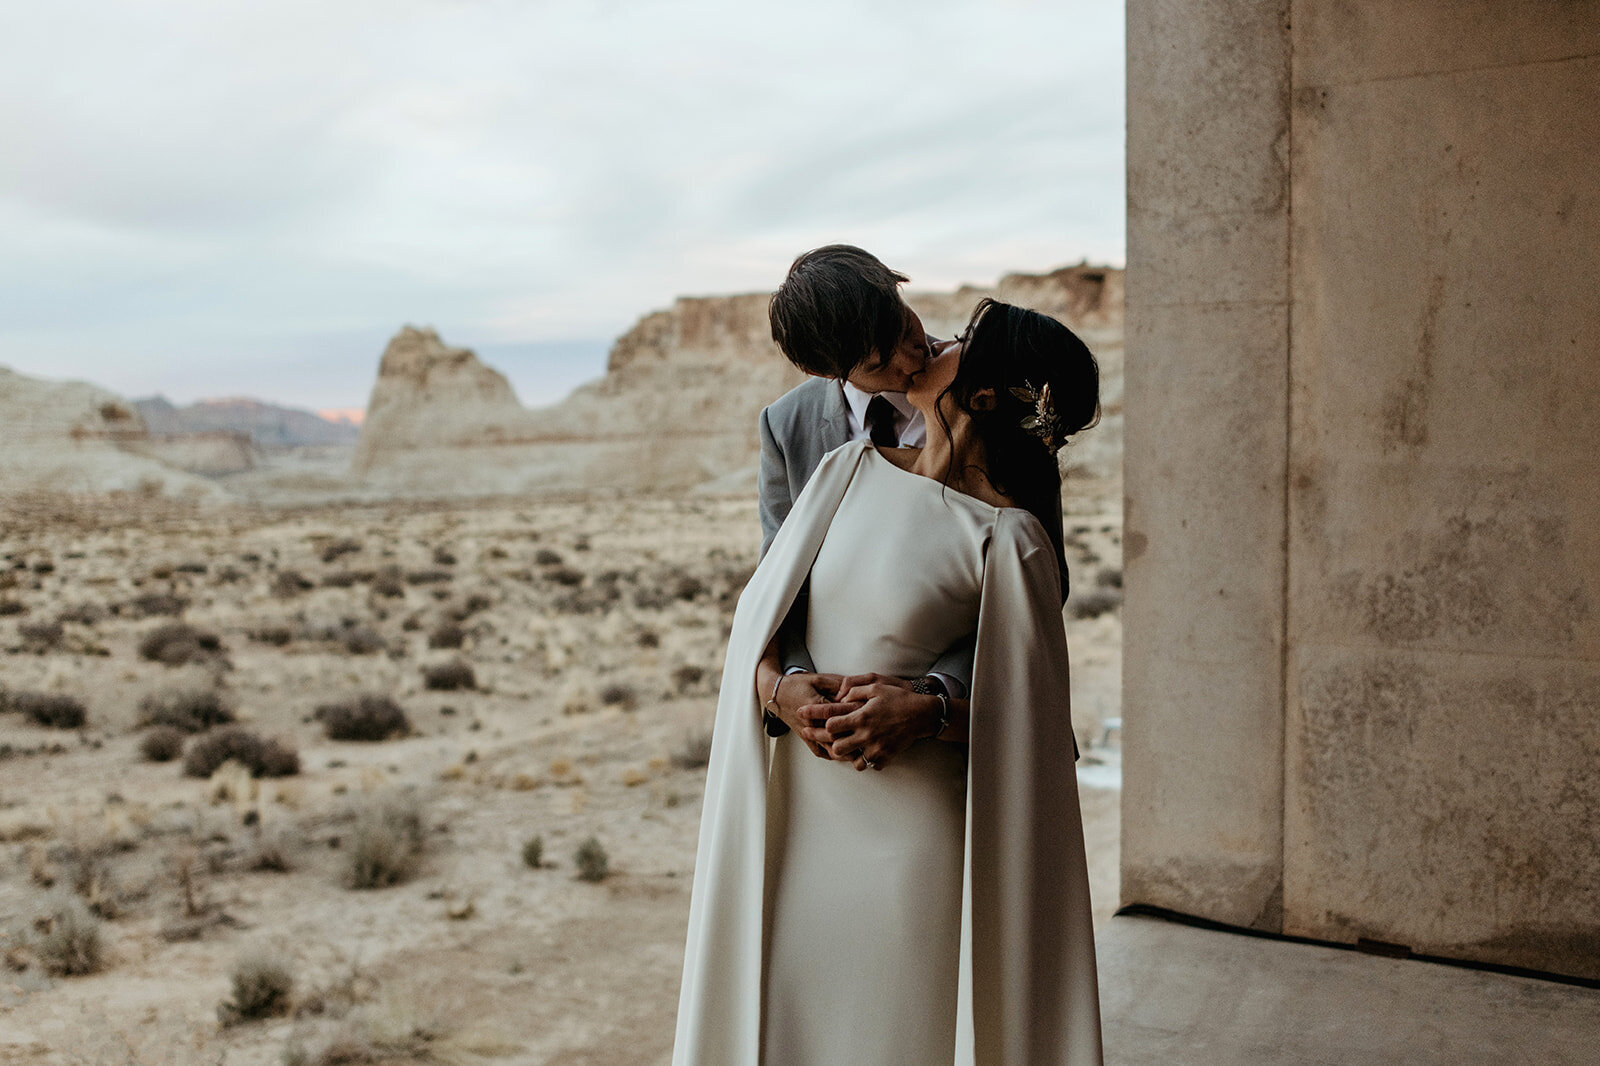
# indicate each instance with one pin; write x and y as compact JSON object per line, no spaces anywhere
{"x":201,"y":189}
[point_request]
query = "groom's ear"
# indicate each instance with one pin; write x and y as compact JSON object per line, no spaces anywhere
{"x":983,"y":400}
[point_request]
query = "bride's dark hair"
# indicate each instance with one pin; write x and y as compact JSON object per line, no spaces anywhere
{"x":1008,"y":348}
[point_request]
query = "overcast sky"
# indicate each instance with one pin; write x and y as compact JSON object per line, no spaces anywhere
{"x":205,"y":198}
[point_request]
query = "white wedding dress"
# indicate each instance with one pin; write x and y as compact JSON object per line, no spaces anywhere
{"x":934,"y":912}
{"x":865,"y":868}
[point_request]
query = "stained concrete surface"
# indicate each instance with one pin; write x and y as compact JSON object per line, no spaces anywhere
{"x":1181,"y":996}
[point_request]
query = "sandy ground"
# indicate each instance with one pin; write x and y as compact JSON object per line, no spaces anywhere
{"x":595,"y":631}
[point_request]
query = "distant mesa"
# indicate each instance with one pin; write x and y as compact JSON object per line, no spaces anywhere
{"x":265,"y":425}
{"x":677,"y":406}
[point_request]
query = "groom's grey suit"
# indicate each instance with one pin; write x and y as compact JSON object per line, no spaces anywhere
{"x":797,"y":430}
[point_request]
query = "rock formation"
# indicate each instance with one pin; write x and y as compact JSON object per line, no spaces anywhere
{"x":71,"y":437}
{"x":677,"y":406}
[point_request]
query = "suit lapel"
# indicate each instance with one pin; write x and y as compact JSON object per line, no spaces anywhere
{"x":835,"y":420}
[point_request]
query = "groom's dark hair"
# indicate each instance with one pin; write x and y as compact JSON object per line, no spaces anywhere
{"x":838,"y":307}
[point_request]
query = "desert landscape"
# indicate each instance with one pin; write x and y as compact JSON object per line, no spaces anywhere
{"x":393,"y":752}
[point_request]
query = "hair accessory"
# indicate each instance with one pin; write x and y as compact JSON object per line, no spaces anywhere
{"x":1042,"y":422}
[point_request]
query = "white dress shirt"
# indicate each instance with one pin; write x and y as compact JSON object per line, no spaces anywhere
{"x":908,"y":423}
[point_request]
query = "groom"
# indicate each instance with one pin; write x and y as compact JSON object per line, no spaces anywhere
{"x":839,"y":317}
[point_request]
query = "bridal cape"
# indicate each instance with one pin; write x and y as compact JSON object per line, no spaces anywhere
{"x":1027,"y":986}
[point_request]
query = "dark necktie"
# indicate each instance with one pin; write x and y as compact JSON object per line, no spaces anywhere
{"x":880,"y":423}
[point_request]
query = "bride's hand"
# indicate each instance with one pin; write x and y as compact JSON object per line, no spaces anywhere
{"x":876,"y":718}
{"x":799,"y":696}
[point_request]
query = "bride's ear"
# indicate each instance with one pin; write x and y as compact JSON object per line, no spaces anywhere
{"x":983,"y":400}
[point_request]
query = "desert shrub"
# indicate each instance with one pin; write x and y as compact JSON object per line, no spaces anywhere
{"x":428,"y":577}
{"x":1109,"y":578}
{"x":343,"y":579}
{"x":290,"y":583}
{"x":343,"y":546}
{"x":157,"y":605}
{"x":229,"y":574}
{"x":387,"y":582}
{"x":695,"y":753}
{"x":270,"y":854}
{"x":446,"y":635}
{"x":472,"y":605}
{"x":447,"y":677}
{"x":565,"y":575}
{"x":367,"y":717}
{"x":186,"y":710}
{"x":364,"y":640}
{"x":533,"y":853}
{"x":277,"y":636}
{"x":386,"y":844}
{"x":443,"y":556}
{"x":49,"y":709}
{"x":162,"y":744}
{"x":546,"y":557}
{"x":587,"y":600}
{"x":84,"y":614}
{"x":12,"y":607}
{"x":70,"y":943}
{"x":591,"y":860}
{"x":581,"y":542}
{"x":649,"y":638}
{"x":620,"y":696}
{"x":177,"y":643}
{"x":193,"y":566}
{"x":263,"y":758}
{"x":1094,"y":603}
{"x":686,"y":677}
{"x":686,"y":587}
{"x":262,"y":985}
{"x":41,"y":635}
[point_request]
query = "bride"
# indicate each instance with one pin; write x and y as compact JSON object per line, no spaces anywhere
{"x":918,"y":894}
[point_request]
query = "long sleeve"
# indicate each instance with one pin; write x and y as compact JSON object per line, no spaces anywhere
{"x":774,"y":501}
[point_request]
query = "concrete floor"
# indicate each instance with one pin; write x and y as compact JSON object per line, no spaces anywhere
{"x":1175,"y":994}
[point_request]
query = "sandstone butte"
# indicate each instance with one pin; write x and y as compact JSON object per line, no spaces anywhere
{"x":677,"y":406}
{"x":676,"y":409}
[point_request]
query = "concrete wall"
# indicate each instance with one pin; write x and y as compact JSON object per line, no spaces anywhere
{"x":1362,"y":662}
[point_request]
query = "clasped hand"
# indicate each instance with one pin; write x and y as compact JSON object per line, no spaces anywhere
{"x":870,"y":719}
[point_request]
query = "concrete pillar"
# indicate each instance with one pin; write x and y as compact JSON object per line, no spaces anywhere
{"x":1362,"y":662}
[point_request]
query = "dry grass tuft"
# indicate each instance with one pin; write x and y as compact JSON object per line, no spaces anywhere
{"x":386,"y":844}
{"x":533,"y":853}
{"x":69,"y":942}
{"x":592,"y":861}
{"x":262,"y":986}
{"x":695,"y":753}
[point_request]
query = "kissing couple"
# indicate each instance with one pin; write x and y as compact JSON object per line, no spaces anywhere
{"x":891,"y":865}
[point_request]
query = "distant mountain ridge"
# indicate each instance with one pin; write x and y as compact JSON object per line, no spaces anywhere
{"x":267,"y":425}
